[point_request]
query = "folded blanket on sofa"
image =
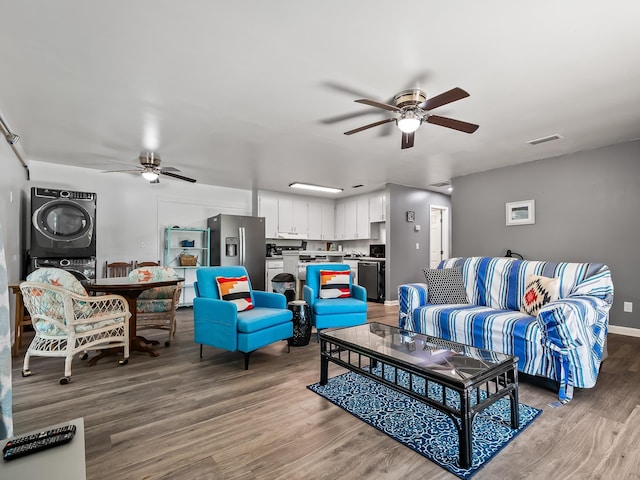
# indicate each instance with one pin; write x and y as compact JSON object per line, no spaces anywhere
{"x":563,"y":342}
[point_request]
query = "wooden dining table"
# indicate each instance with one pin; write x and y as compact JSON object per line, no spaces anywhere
{"x":130,"y":291}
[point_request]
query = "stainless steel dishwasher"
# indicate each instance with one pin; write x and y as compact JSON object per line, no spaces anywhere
{"x":371,"y":277}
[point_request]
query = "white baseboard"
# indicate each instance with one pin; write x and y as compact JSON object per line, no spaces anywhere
{"x":391,"y":303}
{"x":628,"y":331}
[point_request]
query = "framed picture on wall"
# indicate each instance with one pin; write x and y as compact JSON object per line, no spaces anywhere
{"x":521,"y":213}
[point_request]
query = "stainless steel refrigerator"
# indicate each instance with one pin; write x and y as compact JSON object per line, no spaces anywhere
{"x":239,"y":240}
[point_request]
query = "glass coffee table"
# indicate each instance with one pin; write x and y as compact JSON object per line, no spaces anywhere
{"x":467,"y":379}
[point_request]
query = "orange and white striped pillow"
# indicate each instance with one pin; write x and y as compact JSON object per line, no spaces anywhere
{"x":335,"y":284}
{"x":236,"y":290}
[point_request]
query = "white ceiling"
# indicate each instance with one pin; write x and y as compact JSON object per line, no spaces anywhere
{"x":239,"y":93}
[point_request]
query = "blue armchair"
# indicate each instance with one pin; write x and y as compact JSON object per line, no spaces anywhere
{"x":334,"y":312}
{"x":218,"y":323}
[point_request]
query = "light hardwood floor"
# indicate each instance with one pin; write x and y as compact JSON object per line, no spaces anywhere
{"x":179,"y":417}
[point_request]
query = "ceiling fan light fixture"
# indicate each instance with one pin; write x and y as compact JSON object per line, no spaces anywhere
{"x":150,"y":174}
{"x":317,"y":188}
{"x":409,"y":122}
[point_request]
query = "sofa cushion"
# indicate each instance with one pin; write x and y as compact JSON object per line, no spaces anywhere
{"x":445,"y":286}
{"x":236,"y":290}
{"x":538,"y":292}
{"x":335,"y":284}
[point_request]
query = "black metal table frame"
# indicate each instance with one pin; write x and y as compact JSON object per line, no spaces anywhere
{"x":503,"y":377}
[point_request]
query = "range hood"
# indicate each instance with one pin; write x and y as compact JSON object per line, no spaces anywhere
{"x":293,"y":236}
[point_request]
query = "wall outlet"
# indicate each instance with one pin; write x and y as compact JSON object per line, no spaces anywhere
{"x":628,"y":307}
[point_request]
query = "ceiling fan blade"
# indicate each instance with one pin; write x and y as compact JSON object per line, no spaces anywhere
{"x":452,"y":123}
{"x":371,"y":125}
{"x":168,"y":169}
{"x":444,"y":98}
{"x":179,"y":177}
{"x":407,"y":140}
{"x":373,"y":103}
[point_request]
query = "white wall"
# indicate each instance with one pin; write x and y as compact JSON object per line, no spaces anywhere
{"x":132,"y":213}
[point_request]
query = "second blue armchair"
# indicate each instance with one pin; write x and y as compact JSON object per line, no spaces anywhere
{"x":218,"y":323}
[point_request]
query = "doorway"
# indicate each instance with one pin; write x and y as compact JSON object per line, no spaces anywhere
{"x":439,"y":240}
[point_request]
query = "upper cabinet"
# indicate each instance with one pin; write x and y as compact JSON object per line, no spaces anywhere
{"x":352,"y":218}
{"x":321,"y":220}
{"x":285,"y":215}
{"x":268,"y":208}
{"x":293,"y":216}
{"x":377,"y":206}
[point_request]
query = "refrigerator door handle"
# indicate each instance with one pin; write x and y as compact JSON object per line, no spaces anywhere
{"x":242,"y":245}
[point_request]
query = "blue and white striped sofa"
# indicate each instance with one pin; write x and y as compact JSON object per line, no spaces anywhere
{"x":564,"y":343}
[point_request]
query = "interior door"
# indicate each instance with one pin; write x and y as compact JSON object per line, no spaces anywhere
{"x":439,"y":239}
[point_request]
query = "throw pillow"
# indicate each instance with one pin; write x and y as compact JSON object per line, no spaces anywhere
{"x":538,"y":292}
{"x":236,"y":290}
{"x":335,"y":283}
{"x":445,"y":286}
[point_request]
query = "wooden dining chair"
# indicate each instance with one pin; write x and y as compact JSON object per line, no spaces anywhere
{"x":146,"y":264}
{"x":117,"y":269}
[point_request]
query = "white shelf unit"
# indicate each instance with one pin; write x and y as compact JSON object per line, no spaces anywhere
{"x":174,"y":237}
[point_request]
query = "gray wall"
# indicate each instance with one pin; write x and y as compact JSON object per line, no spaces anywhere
{"x":587,"y":208}
{"x":404,"y":262}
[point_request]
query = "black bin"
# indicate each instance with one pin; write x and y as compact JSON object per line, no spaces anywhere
{"x":285,"y":283}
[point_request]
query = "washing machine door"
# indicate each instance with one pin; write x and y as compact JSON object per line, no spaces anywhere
{"x":64,"y":221}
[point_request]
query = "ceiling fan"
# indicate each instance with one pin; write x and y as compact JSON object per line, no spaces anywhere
{"x":414,"y":108}
{"x":151,"y":170}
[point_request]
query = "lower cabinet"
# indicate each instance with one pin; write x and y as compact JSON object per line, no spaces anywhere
{"x":272,"y":268}
{"x":353,"y":265}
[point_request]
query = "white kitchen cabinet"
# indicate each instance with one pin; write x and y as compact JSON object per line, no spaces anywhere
{"x":350,"y":219}
{"x":377,"y":206}
{"x":321,"y":220}
{"x":293,"y":215}
{"x":268,"y":208}
{"x":356,"y":218}
{"x":363,"y":226}
{"x":272,"y":268}
{"x":353,"y":265}
{"x":339,"y":233}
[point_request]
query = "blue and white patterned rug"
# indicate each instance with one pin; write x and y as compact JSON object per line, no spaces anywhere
{"x":424,"y":429}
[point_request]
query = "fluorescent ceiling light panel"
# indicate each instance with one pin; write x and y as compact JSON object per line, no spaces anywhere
{"x":318,"y":188}
{"x":550,"y":138}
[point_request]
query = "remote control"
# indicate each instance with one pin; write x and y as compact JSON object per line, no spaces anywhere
{"x":16,"y":442}
{"x":39,"y":444}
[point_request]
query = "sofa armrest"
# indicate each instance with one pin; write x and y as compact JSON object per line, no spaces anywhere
{"x":411,"y":296}
{"x":269,"y":299}
{"x":575,"y":329}
{"x":574,"y":321}
{"x":215,"y":323}
{"x":359,"y":292}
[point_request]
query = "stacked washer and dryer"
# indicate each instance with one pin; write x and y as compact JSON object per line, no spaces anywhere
{"x":63,"y":231}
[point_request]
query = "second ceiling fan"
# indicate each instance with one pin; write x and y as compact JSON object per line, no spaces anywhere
{"x":414,"y":108}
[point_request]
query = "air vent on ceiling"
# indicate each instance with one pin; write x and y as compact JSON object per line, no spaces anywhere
{"x":440,"y":184}
{"x":550,"y":138}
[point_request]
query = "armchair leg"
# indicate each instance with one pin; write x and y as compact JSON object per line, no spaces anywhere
{"x":200,"y":350}
{"x":246,"y":360}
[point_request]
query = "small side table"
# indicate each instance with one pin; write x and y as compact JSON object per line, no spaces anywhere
{"x":301,"y":323}
{"x":21,"y":319}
